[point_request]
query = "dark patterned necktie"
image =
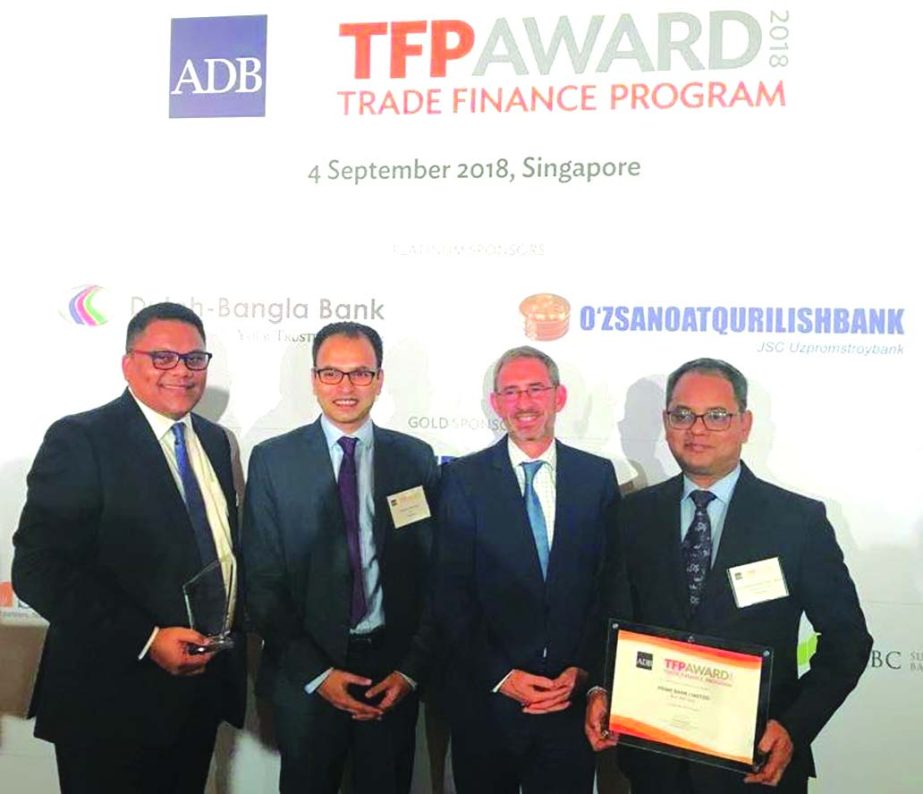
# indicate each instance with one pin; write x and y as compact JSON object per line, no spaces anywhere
{"x":697,"y":547}
{"x":348,"y":487}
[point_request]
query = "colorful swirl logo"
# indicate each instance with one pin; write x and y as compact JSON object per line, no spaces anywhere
{"x":80,"y":307}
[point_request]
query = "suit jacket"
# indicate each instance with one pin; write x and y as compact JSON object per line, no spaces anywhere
{"x":298,"y":578}
{"x":496,"y":610}
{"x":103,"y":548}
{"x":762,"y":522}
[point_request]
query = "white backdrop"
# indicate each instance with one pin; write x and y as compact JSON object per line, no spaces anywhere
{"x":740,"y":211}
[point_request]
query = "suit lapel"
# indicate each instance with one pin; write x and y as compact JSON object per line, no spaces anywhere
{"x":666,"y":520}
{"x":383,"y":485}
{"x":210,"y":439}
{"x":156,"y":485}
{"x":566,"y":509}
{"x":737,"y":537}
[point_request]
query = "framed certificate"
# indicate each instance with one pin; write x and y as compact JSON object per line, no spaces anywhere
{"x":688,"y":695}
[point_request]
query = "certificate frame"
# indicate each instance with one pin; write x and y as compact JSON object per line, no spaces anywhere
{"x":659,"y":701}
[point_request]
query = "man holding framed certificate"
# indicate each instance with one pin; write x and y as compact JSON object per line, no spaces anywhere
{"x":725,"y":565}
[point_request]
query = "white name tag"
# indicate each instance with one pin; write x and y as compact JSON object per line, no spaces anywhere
{"x":408,"y":506}
{"x":757,"y":582}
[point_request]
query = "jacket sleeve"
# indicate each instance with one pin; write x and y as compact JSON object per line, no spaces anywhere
{"x":271,"y":608}
{"x":55,"y":565}
{"x":830,"y":602}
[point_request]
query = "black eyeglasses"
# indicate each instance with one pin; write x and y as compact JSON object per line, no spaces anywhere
{"x":715,"y":419}
{"x":330,"y":376}
{"x":196,"y":361}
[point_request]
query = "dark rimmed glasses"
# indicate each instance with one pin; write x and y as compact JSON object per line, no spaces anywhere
{"x":195,"y":361}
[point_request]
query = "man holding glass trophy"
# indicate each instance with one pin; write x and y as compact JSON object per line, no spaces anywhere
{"x":126,"y":546}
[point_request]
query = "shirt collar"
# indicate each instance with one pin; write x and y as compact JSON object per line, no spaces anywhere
{"x":365,"y":434}
{"x":723,"y":489}
{"x":160,"y":424}
{"x":517,"y":456}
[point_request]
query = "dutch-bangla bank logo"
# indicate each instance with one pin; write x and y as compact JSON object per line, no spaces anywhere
{"x":218,"y":67}
{"x":85,"y":305}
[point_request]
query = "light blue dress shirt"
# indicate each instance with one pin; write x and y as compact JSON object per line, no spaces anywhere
{"x":723,"y":490}
{"x":365,"y":452}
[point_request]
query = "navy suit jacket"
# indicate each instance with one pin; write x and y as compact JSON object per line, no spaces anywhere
{"x":496,"y":610}
{"x":297,"y":572}
{"x":647,"y":583}
{"x":103,"y":549}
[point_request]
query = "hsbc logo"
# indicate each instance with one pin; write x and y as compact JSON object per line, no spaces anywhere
{"x":218,"y":67}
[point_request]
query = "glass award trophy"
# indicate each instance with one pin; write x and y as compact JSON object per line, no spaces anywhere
{"x":209,"y":604}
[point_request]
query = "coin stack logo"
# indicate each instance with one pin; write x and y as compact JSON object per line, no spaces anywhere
{"x":546,"y":316}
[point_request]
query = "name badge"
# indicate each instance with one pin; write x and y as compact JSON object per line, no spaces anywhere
{"x":408,"y":507}
{"x":757,"y":582}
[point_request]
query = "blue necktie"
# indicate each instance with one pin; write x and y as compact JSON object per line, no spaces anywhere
{"x":536,"y":516}
{"x":348,"y":487}
{"x":697,"y":547}
{"x":195,"y":505}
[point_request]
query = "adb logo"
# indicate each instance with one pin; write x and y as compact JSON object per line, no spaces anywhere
{"x":218,"y":67}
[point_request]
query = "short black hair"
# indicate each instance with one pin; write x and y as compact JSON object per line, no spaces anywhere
{"x":353,"y":331}
{"x":711,"y":366}
{"x":161,"y":311}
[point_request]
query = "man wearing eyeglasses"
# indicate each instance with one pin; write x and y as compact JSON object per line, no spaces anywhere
{"x":523,"y":525}
{"x":337,"y":540}
{"x":680,"y":542}
{"x":126,"y":503}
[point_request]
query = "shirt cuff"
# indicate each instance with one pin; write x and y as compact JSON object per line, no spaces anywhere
{"x":148,"y":644}
{"x":408,"y":679}
{"x":502,"y":682}
{"x":312,"y":686}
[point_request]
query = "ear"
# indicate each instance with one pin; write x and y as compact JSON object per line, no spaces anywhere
{"x":380,"y":380}
{"x":746,"y":424}
{"x":495,"y":403}
{"x":126,"y":362}
{"x":560,"y":397}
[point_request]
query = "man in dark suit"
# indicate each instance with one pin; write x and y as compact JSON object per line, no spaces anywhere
{"x":104,"y":547}
{"x":337,"y":542}
{"x":678,"y":541}
{"x":522,"y":529}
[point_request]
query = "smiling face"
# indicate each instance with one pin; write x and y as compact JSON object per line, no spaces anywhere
{"x":529,"y":419}
{"x":706,"y":455}
{"x":346,"y":405}
{"x":171,"y":392}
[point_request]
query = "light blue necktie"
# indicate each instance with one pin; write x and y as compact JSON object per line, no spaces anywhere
{"x":536,"y":516}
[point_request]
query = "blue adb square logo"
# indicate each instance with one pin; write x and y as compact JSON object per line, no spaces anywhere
{"x":218,"y":67}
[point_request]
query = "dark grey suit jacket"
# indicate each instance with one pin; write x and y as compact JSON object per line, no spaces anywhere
{"x":647,"y":583}
{"x":297,"y":573}
{"x":103,"y":548}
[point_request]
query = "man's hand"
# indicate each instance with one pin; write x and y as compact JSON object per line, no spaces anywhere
{"x":334,"y":691}
{"x":537,"y":694}
{"x":570,"y":681}
{"x":595,"y":725}
{"x":394,"y":687}
{"x":778,"y":744}
{"x":170,"y":650}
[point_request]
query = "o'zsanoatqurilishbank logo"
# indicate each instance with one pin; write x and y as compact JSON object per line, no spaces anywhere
{"x":218,"y":67}
{"x":82,"y":306}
